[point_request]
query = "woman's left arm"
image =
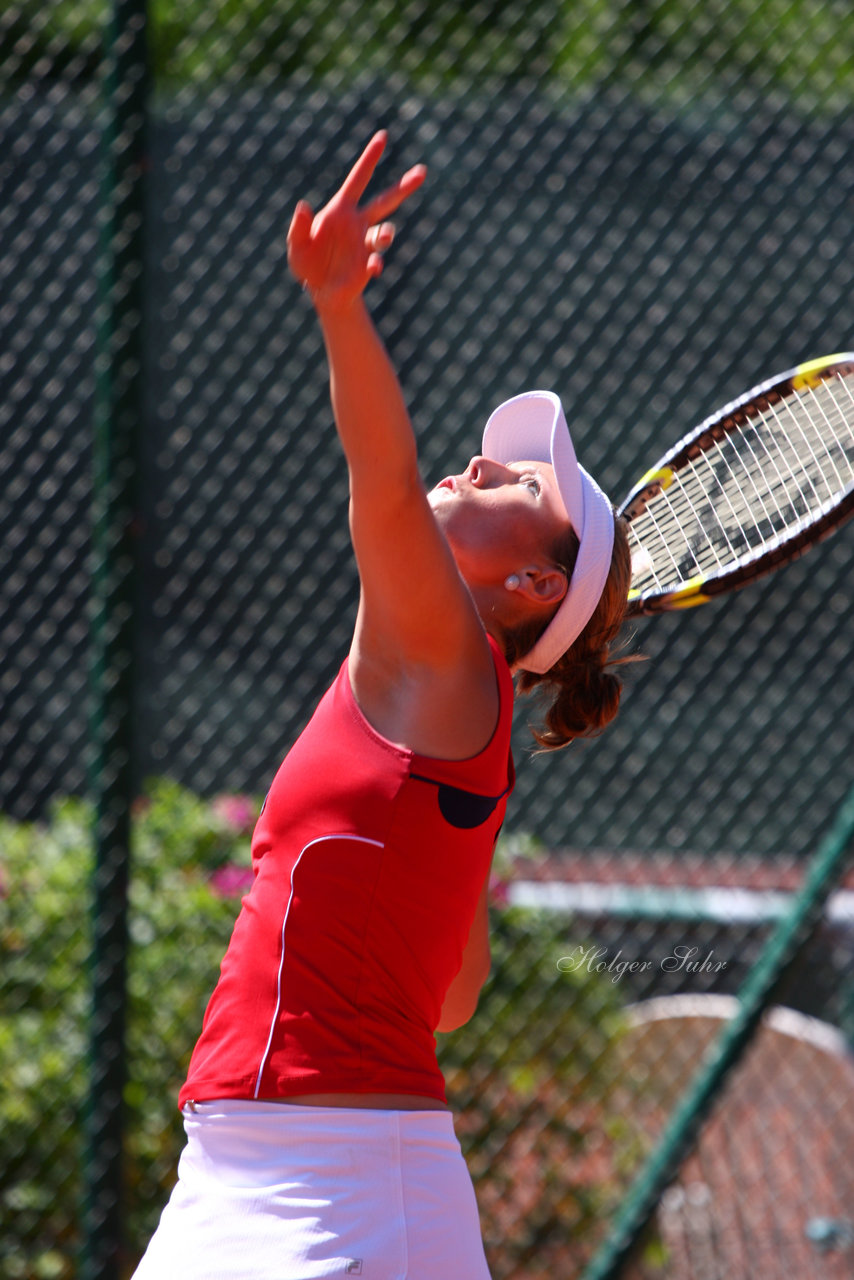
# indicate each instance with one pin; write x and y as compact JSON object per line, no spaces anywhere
{"x":461,"y":998}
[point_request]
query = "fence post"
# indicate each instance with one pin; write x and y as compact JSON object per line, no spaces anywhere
{"x":118,"y":407}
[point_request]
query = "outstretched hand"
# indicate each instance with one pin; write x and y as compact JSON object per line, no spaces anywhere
{"x":335,"y":252}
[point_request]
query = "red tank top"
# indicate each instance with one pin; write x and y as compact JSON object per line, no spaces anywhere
{"x":368,"y":862}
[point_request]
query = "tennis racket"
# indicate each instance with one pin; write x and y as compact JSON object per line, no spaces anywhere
{"x":749,"y":489}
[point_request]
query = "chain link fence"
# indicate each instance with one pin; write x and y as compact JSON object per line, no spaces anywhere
{"x":645,"y":205}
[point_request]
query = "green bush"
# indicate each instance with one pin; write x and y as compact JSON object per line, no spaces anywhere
{"x":181,"y":918}
{"x":680,"y":47}
{"x":531,"y":1076}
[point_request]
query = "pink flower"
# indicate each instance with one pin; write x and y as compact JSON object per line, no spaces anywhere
{"x":237,"y":812}
{"x":499,"y":891}
{"x":231,"y":880}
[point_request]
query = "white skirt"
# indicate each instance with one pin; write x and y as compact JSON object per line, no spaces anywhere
{"x":268,"y":1191}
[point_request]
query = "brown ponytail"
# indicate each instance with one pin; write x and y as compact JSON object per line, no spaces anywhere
{"x":585,"y":693}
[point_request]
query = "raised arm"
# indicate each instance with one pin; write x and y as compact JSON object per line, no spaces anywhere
{"x":419,"y":654}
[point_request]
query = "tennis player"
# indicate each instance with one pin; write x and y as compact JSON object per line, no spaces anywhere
{"x":319,"y":1140}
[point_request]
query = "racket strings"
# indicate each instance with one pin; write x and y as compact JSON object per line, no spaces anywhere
{"x":780,"y":469}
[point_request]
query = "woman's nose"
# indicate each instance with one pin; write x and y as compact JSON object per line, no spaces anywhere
{"x":483,"y":472}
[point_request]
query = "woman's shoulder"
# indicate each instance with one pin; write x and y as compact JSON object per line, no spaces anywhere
{"x":448,"y":712}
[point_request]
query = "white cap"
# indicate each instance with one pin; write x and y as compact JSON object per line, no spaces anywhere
{"x":533,"y":427}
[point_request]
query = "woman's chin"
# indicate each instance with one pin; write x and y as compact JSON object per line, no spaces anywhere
{"x":439,"y":497}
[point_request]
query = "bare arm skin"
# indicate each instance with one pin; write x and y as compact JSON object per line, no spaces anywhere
{"x":461,"y":998}
{"x":420,"y":665}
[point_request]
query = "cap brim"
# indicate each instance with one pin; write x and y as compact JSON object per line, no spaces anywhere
{"x":532,"y":426}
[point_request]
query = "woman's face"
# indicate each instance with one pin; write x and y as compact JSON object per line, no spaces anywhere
{"x":499,"y":519}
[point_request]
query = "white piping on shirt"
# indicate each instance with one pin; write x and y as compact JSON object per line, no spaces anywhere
{"x":275,"y":1018}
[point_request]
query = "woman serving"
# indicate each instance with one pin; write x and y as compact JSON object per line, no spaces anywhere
{"x":319,"y":1138}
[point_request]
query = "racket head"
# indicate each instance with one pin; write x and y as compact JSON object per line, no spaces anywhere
{"x":747,"y":491}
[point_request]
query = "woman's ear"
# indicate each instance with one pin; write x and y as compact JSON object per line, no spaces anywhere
{"x":542,"y":584}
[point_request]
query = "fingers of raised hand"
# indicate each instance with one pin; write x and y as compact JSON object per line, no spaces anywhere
{"x":300,"y":228}
{"x":344,"y":240}
{"x":393,"y":197}
{"x":299,"y":232}
{"x":379,"y":237}
{"x":377,"y":240}
{"x":353,"y":186}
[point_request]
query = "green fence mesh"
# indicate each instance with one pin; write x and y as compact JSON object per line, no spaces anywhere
{"x":642,"y":204}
